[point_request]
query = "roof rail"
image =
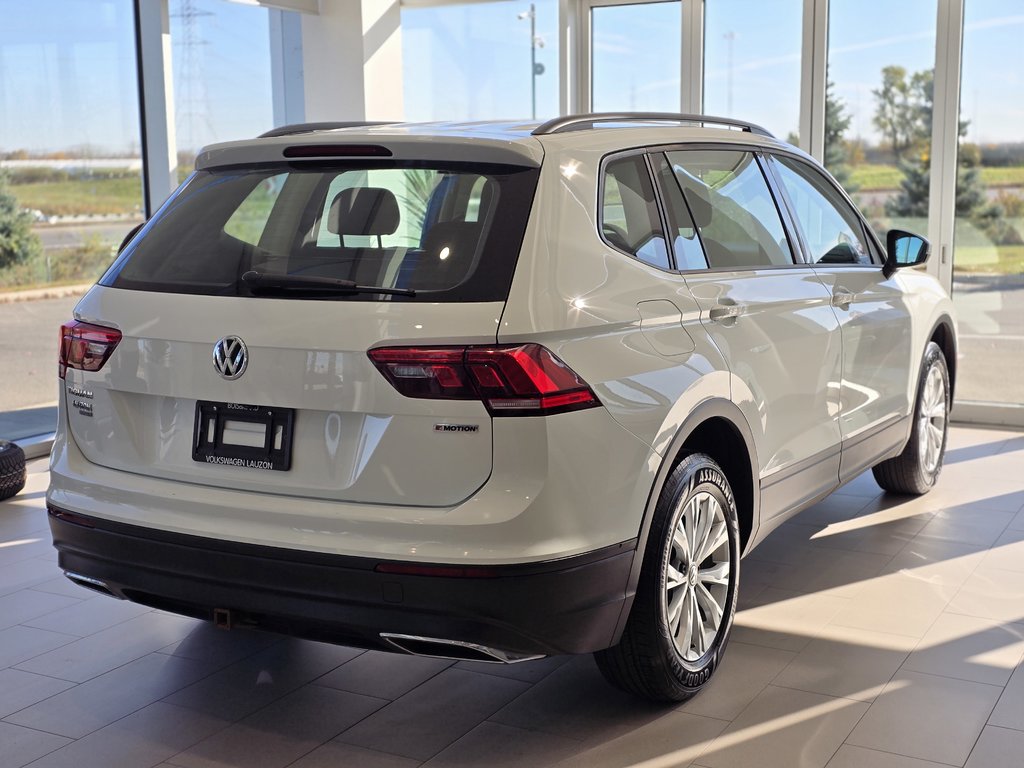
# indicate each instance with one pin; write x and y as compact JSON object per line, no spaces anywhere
{"x":588,"y":121}
{"x":289,"y":130}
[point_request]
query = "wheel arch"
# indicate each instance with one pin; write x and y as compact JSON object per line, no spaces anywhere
{"x":943,"y":333}
{"x":717,"y":427}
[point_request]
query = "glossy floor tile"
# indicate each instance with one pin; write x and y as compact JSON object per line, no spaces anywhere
{"x":873,"y":632}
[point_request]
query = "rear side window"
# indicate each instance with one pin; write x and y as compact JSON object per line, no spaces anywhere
{"x":733,"y":208}
{"x":450,"y":233}
{"x":629,"y":212}
{"x":685,"y":243}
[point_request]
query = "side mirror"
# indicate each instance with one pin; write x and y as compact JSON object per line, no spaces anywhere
{"x":904,"y":249}
{"x":128,"y":238}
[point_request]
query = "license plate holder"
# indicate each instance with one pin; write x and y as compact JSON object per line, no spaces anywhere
{"x":244,"y":436}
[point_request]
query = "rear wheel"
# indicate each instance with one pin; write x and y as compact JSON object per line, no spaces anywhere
{"x":916,"y":469}
{"x":686,"y":598}
{"x":12,"y":469}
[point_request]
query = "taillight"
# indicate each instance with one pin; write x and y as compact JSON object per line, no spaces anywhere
{"x":524,"y":380}
{"x":85,"y":346}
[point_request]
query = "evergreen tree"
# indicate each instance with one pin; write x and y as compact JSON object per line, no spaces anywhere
{"x":18,"y":243}
{"x":917,"y":104}
{"x":837,"y":121}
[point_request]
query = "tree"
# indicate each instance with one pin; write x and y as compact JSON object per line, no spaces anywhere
{"x":837,"y":155}
{"x":894,"y":115}
{"x":18,"y":243}
{"x":916,"y":106}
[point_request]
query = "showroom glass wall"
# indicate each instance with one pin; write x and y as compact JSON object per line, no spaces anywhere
{"x":221,"y":61}
{"x":67,"y":87}
{"x":70,"y":159}
{"x":478,"y":61}
{"x":752,"y":63}
{"x":988,"y":266}
{"x":635,"y":50}
{"x":878,"y":120}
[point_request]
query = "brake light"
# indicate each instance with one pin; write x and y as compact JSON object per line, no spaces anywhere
{"x":524,"y":380}
{"x":85,"y":346}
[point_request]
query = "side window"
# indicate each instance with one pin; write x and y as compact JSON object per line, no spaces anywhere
{"x":685,"y":243}
{"x":629,"y":213}
{"x":734,"y":210}
{"x":833,"y":231}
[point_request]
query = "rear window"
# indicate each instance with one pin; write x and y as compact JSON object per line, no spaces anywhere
{"x":449,"y":233}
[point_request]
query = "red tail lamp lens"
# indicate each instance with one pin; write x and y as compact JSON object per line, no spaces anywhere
{"x":525,"y":380}
{"x":85,"y":347}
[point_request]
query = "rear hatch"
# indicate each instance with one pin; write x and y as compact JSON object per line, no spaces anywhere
{"x":247,"y":308}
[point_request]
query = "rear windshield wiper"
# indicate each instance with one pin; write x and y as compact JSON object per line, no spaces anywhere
{"x":259,"y":282}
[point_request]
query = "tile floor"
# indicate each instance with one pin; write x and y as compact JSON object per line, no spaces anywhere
{"x":875,"y":632}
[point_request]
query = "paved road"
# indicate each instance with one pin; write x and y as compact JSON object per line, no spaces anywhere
{"x":30,"y":330}
{"x":55,"y":236}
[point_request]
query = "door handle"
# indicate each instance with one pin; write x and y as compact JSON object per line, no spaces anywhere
{"x":725,"y":312}
{"x":843,"y":298}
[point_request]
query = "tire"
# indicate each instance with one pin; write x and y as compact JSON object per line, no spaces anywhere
{"x":917,"y":468}
{"x":12,"y":469}
{"x":656,"y":657}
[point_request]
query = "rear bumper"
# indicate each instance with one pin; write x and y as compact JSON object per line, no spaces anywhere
{"x":571,"y":605}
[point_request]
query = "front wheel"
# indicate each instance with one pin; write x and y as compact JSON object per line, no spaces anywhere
{"x":686,"y":597}
{"x":917,"y":468}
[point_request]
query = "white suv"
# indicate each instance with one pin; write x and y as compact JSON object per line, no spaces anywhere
{"x":490,"y":391}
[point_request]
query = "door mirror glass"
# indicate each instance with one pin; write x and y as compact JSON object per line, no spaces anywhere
{"x":904,"y":249}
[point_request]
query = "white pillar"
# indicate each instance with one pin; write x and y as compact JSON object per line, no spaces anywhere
{"x":569,"y":84}
{"x":156,"y":102}
{"x":352,"y":61}
{"x":286,"y":67}
{"x":813,"y":78}
{"x":691,"y":79}
{"x":945,"y":139}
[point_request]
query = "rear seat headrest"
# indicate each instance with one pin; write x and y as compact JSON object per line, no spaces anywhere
{"x":363,"y":211}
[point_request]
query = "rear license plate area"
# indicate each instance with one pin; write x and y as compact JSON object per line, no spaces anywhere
{"x":240,"y":435}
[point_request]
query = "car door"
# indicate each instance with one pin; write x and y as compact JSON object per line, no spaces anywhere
{"x":872,"y":311}
{"x":769,"y":315}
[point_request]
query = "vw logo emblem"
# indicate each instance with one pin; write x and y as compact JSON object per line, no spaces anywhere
{"x":230,"y":357}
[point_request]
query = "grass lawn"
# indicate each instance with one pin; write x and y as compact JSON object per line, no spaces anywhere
{"x":993,"y":260}
{"x":871,"y":177}
{"x":124,"y":195}
{"x":81,"y":196}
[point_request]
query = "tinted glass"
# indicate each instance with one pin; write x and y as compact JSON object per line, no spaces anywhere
{"x":685,"y":243}
{"x":629,"y":213}
{"x":449,"y":233}
{"x":734,"y":211}
{"x":831,"y":228}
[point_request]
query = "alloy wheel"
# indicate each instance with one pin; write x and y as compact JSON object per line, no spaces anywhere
{"x":931,"y":420}
{"x":697,"y":575}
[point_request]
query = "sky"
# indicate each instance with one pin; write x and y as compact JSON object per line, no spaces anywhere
{"x":67,"y":67}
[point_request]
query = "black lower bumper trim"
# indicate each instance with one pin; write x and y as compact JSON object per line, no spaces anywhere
{"x":563,"y":606}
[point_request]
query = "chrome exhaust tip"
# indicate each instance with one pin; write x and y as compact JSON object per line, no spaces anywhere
{"x":440,"y":648}
{"x":90,"y":583}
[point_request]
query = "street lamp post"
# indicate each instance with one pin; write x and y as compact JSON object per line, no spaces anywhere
{"x":535,"y":68}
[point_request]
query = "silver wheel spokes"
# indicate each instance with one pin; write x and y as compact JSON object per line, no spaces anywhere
{"x":697,"y":575}
{"x":931,"y":420}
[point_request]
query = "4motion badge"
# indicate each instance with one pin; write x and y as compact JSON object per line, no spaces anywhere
{"x":456,"y":427}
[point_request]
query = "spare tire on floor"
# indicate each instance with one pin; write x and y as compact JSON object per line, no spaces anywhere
{"x":12,"y":469}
